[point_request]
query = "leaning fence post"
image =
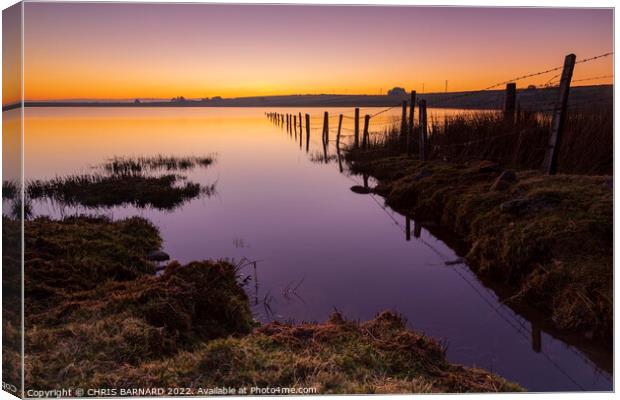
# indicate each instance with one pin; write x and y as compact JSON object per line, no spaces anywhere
{"x":423,"y":129}
{"x":403,"y":120}
{"x":300,"y":127}
{"x":559,"y":117}
{"x":510,"y":102}
{"x":411,"y":115}
{"x":307,"y":132}
{"x":357,"y":127}
{"x":365,"y":138}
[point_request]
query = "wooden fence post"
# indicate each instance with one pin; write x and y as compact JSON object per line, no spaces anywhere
{"x":338,"y":134}
{"x":423,"y":129}
{"x":559,"y":117}
{"x":403,"y":121}
{"x":411,"y":119}
{"x":300,"y":127}
{"x":325,"y":127}
{"x":307,"y":132}
{"x":365,"y":138}
{"x":357,"y":127}
{"x":510,"y":102}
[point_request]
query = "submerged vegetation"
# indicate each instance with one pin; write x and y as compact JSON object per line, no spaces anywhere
{"x":549,"y":237}
{"x":92,"y":293}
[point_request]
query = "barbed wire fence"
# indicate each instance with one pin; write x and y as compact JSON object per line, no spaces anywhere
{"x":523,"y":128}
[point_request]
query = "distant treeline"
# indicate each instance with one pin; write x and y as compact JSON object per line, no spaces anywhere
{"x":487,"y":99}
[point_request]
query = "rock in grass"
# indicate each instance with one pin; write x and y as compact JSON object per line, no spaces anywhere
{"x":157,"y":255}
{"x":504,"y":181}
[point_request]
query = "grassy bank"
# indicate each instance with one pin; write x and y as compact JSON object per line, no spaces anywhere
{"x":97,"y":316}
{"x":548,"y":237}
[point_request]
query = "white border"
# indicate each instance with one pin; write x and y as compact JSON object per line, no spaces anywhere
{"x":461,"y":3}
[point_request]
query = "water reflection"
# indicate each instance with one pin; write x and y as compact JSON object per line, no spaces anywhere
{"x":305,"y":224}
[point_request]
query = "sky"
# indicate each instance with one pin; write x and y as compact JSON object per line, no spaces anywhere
{"x":121,"y":51}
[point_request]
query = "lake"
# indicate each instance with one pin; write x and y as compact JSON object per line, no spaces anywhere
{"x":318,"y":246}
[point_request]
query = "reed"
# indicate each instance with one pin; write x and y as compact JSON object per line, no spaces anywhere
{"x":587,"y":146}
{"x":136,"y":165}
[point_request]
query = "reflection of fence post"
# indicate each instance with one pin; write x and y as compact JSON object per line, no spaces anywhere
{"x":417,"y":229}
{"x":307,"y":132}
{"x":559,"y":117}
{"x":338,"y":134}
{"x":411,"y":115}
{"x":423,"y":129}
{"x":403,"y":121}
{"x":510,"y":102}
{"x":365,"y":138}
{"x":407,"y":228}
{"x":326,"y":127}
{"x":357,"y":127}
{"x":536,"y":338}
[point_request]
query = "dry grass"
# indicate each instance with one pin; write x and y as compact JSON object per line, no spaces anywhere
{"x":587,"y":144}
{"x":379,"y":356}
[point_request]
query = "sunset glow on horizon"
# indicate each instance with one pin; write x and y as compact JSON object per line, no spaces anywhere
{"x":124,"y":51}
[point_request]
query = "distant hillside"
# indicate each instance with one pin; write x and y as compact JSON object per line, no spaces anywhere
{"x":489,"y":99}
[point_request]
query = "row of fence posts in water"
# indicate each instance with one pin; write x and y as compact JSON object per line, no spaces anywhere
{"x":407,"y":124}
{"x":294,"y":121}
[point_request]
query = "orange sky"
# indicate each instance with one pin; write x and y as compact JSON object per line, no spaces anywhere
{"x":119,"y":51}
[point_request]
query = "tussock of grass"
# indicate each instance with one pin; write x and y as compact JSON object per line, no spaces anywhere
{"x":161,"y":192}
{"x":10,"y":190}
{"x":379,"y":356}
{"x":94,"y":304}
{"x":550,"y":237}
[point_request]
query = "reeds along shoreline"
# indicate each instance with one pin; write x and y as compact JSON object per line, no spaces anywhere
{"x":518,"y":143}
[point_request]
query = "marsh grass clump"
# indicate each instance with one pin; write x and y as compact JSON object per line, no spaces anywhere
{"x":137,"y":165}
{"x":10,"y":190}
{"x":162,"y":192}
{"x":92,"y":294}
{"x":338,"y":356}
{"x":549,"y":237}
{"x":126,"y":181}
{"x":80,"y":253}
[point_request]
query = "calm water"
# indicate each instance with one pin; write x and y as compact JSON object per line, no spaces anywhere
{"x":319,"y":246}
